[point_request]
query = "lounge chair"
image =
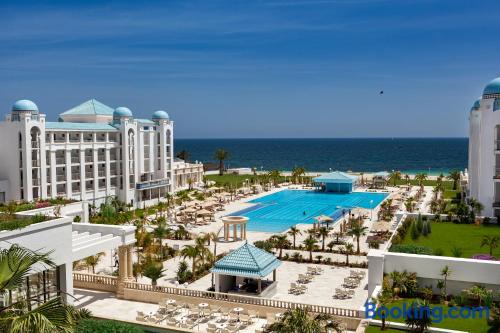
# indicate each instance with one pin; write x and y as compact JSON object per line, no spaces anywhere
{"x":140,"y":316}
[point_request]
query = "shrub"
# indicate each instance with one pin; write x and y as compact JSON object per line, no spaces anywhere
{"x":414,"y":232}
{"x":438,"y":252}
{"x":183,"y":272}
{"x":105,"y":326}
{"x":264,"y":245}
{"x":425,"y":231}
{"x":411,"y":248}
{"x":456,"y":251}
{"x":373,"y":245}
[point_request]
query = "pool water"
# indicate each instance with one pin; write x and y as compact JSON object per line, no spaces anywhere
{"x":281,"y":210}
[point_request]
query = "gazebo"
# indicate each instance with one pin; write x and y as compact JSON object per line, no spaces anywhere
{"x":235,"y":222}
{"x":380,"y":179}
{"x":244,"y":270}
{"x":337,"y":181}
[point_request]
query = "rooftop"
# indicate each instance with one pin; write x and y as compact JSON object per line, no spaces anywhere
{"x":247,"y":261}
{"x":53,"y":125}
{"x":335,"y":176}
{"x":90,"y":107}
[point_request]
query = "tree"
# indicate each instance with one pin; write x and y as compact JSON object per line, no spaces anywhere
{"x":455,"y":177}
{"x":395,"y":176}
{"x":294,"y":232}
{"x":410,"y":204}
{"x":221,"y":155}
{"x":310,"y":245}
{"x":490,"y":241}
{"x":476,"y":206}
{"x":323,"y":232}
{"x":298,"y":172}
{"x":159,"y":233}
{"x":445,"y":273}
{"x":357,"y":230}
{"x":418,"y":318}
{"x":17,"y":263}
{"x":93,"y":261}
{"x":191,"y":252}
{"x":154,"y":271}
{"x":421,"y":178}
{"x":301,"y":321}
{"x":280,"y":242}
{"x":383,"y":300}
{"x":183,"y":155}
{"x":190,"y":182}
{"x":275,"y":175}
{"x":347,"y":250}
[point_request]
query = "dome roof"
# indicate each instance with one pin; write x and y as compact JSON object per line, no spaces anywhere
{"x":122,"y":112}
{"x":476,"y":104}
{"x":25,"y":105}
{"x":160,"y":115}
{"x":492,"y":88}
{"x":496,"y":104}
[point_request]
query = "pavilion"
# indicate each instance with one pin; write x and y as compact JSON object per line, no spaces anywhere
{"x":244,"y":270}
{"x":380,"y":179}
{"x":336,"y":181}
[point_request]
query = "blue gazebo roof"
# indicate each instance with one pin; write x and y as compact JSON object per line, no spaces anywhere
{"x":90,"y":107}
{"x":335,"y":177}
{"x":247,"y":261}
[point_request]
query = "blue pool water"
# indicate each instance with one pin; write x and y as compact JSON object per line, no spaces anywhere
{"x":279,"y":211}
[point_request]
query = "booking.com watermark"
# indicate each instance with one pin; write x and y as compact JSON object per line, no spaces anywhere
{"x":437,"y":313}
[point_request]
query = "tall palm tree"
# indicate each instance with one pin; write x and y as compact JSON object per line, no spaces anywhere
{"x":302,"y":321}
{"x":310,"y":245}
{"x":421,"y":178}
{"x":455,"y":177}
{"x":191,"y":252}
{"x":159,"y":233}
{"x":445,"y":273}
{"x":395,"y":176}
{"x":357,"y":230}
{"x":347,"y":250}
{"x":323,"y":232}
{"x":298,"y":172}
{"x":280,"y":242}
{"x":16,"y":264}
{"x":93,"y":261}
{"x":476,"y":206}
{"x":490,"y":241}
{"x":275,"y":175}
{"x":221,"y":155}
{"x":294,"y":231}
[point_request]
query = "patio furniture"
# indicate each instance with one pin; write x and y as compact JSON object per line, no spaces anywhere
{"x":140,"y":316}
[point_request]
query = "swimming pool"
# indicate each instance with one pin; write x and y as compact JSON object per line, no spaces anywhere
{"x":279,"y":211}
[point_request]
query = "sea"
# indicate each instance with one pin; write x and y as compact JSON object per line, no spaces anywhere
{"x":410,"y":155}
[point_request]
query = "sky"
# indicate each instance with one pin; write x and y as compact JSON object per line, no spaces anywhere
{"x":276,"y":68}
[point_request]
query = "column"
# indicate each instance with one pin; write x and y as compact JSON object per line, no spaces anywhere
{"x":69,"y":188}
{"x":53,"y":169}
{"x":65,"y":276}
{"x":122,"y":271}
{"x":130,"y":267}
{"x":82,"y":172}
{"x":235,"y":234}
{"x":107,"y":169}
{"x":95,"y":165}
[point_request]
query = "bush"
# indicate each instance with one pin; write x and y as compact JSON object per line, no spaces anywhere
{"x":438,"y":252}
{"x":183,"y":272}
{"x":411,"y":248}
{"x":105,"y":326}
{"x":414,"y":232}
{"x":264,"y":245}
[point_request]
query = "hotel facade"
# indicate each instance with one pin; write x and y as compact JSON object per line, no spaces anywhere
{"x":484,"y":150}
{"x":93,"y":152}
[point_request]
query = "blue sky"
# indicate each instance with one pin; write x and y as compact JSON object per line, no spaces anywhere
{"x":258,"y":68}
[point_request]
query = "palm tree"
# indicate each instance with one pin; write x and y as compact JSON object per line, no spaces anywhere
{"x":190,"y":183}
{"x":476,"y":206}
{"x":183,"y":155}
{"x":310,"y":245}
{"x":420,"y":178}
{"x":347,"y":249}
{"x":383,"y":300}
{"x":280,"y":242}
{"x":154,"y":271}
{"x":294,"y":232}
{"x":16,"y":264}
{"x":301,"y":320}
{"x":221,"y":155}
{"x":395,"y":176}
{"x":337,"y":235}
{"x":455,"y":177}
{"x":92,"y":261}
{"x":323,"y":232}
{"x":275,"y":175}
{"x":159,"y":233}
{"x":357,"y":230}
{"x":418,"y":318}
{"x":191,"y":252}
{"x":297,"y":172}
{"x":445,"y":273}
{"x":490,"y":241}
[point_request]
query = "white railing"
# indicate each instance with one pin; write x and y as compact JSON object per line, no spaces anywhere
{"x":95,"y":278}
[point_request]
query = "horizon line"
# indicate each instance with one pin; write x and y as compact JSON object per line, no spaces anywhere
{"x":320,"y":138}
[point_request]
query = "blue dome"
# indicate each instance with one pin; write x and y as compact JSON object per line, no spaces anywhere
{"x":122,"y":112}
{"x":25,"y":105}
{"x":160,"y":115}
{"x":493,"y":87}
{"x":476,"y":104}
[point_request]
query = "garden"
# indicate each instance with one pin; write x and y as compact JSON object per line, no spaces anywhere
{"x":437,"y":237}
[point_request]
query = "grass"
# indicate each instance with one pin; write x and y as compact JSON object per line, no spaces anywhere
{"x":11,"y":223}
{"x":447,"y":235}
{"x":447,"y":184}
{"x":237,"y":180}
{"x":476,"y":325}
{"x":375,"y":329}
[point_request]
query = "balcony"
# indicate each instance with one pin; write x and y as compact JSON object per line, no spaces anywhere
{"x":152,"y":184}
{"x":496,"y":173}
{"x":35,"y":182}
{"x":35,"y":144}
{"x":101,"y":158}
{"x":35,"y":163}
{"x":75,"y":159}
{"x":496,"y":204}
{"x":101,"y":173}
{"x":60,"y":160}
{"x":75,"y":176}
{"x":89,"y":159}
{"x":61,"y":178}
{"x":89,"y":174}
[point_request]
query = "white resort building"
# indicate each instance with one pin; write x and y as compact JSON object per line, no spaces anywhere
{"x":187,"y":174}
{"x":484,"y":149}
{"x":91,"y":153}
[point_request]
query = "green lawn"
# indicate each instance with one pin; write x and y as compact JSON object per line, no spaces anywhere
{"x":467,"y":237}
{"x":375,"y":329}
{"x":475,"y":325}
{"x":237,"y":180}
{"x":447,"y":184}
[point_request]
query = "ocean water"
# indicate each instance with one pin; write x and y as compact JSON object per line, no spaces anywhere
{"x":279,"y":211}
{"x":432,"y":155}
